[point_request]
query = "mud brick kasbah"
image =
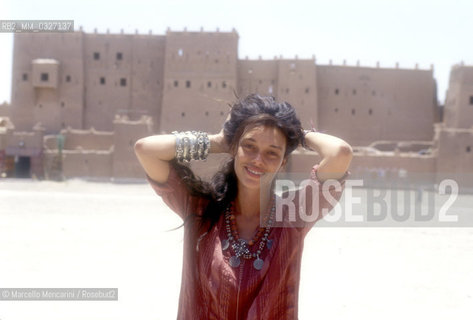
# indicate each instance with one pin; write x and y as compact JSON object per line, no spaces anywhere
{"x":80,"y":100}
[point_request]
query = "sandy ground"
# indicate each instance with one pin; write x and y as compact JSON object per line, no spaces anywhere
{"x":80,"y":234}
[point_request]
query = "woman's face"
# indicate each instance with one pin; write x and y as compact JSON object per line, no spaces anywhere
{"x":259,"y":156}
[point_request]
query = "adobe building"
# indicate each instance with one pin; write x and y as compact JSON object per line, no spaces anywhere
{"x":80,"y":101}
{"x":454,"y":136}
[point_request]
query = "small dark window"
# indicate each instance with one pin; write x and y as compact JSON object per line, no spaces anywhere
{"x":119,"y":56}
{"x":40,"y":105}
{"x":370,"y":112}
{"x":336,"y":110}
{"x":471,"y":100}
{"x":68,"y":78}
{"x":176,"y":83}
{"x":188,"y":84}
{"x":206,"y":113}
{"x":224,"y":84}
{"x":123,"y":82}
{"x":373,"y":93}
{"x":260,"y":81}
{"x":287,"y":90}
{"x":183,"y":114}
{"x":306,"y":90}
{"x":468,"y":149}
{"x":354,"y":92}
{"x":44,"y":76}
{"x":25,"y":77}
{"x":221,"y":113}
{"x":96,"y":56}
{"x":209,"y":84}
{"x":336,"y":91}
{"x":102,"y":80}
{"x":353,"y":111}
{"x":62,"y":104}
{"x":63,"y":125}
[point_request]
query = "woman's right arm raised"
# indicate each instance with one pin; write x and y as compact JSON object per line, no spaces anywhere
{"x":154,"y":154}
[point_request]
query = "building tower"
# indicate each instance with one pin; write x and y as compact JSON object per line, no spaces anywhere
{"x":200,"y":79}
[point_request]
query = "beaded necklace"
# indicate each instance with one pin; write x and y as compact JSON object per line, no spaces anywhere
{"x":240,"y":247}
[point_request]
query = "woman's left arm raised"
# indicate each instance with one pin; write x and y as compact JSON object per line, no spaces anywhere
{"x":336,"y":155}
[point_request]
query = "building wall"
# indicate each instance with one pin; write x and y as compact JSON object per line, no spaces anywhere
{"x":186,"y":80}
{"x":200,"y":78}
{"x":402,"y":170}
{"x":25,"y":140}
{"x":459,"y":101}
{"x":5,"y":110}
{"x":104,"y":99}
{"x":6,"y":129}
{"x":257,"y":76}
{"x":455,"y":156}
{"x":294,"y":81}
{"x":455,"y":135}
{"x":3,"y":139}
{"x":82,"y":99}
{"x":87,"y":164}
{"x":55,"y":107}
{"x":90,"y":139}
{"x":147,"y":78}
{"x":125,"y":134}
{"x":124,"y":75}
{"x":27,"y":144}
{"x":297,"y":84}
{"x":362,"y":105}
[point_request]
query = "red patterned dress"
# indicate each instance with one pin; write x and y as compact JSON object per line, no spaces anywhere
{"x":212,"y":289}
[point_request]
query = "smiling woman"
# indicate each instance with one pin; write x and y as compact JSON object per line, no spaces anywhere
{"x":259,"y":156}
{"x":235,"y":267}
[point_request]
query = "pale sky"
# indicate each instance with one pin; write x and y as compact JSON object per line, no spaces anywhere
{"x":405,"y":31}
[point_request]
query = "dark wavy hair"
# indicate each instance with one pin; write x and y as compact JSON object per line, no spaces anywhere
{"x":246,"y":114}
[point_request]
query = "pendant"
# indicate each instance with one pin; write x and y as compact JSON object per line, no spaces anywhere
{"x":234,"y":261}
{"x":258,"y":264}
{"x":240,"y":248}
{"x":269,"y":244}
{"x":225,"y":244}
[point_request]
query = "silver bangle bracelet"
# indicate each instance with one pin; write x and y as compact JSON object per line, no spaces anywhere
{"x":191,"y":145}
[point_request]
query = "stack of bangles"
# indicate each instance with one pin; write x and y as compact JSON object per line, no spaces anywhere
{"x":191,"y":145}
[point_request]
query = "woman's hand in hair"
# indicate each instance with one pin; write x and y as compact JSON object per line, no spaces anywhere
{"x":336,"y":154}
{"x":218,"y":144}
